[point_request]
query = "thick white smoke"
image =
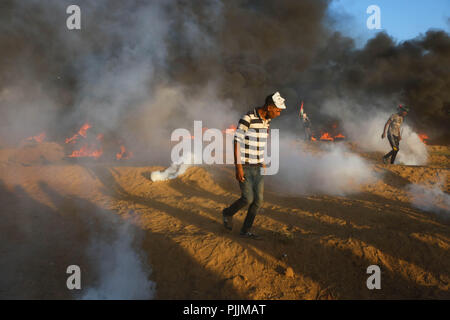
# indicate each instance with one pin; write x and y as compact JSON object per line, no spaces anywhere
{"x":430,"y":199}
{"x":364,"y":125}
{"x":176,"y":169}
{"x":173,"y":107}
{"x":412,"y":150}
{"x":334,"y":171}
{"x":123,"y":82}
{"x":172,"y":172}
{"x":123,"y":274}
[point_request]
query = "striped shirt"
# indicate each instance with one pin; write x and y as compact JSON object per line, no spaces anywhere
{"x":251,"y":134}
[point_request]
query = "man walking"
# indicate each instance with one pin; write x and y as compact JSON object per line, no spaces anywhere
{"x":306,"y":124}
{"x":307,"y":127}
{"x":249,"y":143}
{"x":394,"y":134}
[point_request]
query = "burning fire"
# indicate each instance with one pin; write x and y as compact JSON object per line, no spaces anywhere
{"x":88,"y":144}
{"x":326,"y":136}
{"x":82,"y":132}
{"x":123,"y":154}
{"x":423,"y":137}
{"x":93,"y":148}
{"x":231,"y":128}
{"x":87,"y":149}
{"x":39,"y":138}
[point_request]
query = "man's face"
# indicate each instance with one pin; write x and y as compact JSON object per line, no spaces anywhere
{"x":404,"y":113}
{"x":273,"y":112}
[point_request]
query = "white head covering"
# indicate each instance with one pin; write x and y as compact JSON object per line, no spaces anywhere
{"x":278,"y":100}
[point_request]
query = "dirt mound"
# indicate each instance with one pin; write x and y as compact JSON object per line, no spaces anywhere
{"x":439,"y":156}
{"x":31,"y":153}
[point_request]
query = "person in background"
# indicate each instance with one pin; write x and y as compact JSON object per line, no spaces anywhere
{"x":307,"y":127}
{"x":393,"y":132}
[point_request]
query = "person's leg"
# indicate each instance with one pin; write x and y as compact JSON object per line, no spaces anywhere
{"x":391,"y":142}
{"x":246,"y":195}
{"x":396,"y":148}
{"x":387,"y":155}
{"x":258,"y":192}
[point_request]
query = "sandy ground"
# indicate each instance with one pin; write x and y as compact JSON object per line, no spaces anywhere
{"x":313,"y":247}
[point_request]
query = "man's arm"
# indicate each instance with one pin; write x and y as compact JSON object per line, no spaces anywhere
{"x":237,"y":162}
{"x":385,"y":127}
{"x":239,"y":136}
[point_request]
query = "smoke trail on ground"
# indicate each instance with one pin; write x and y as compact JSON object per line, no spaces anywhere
{"x":172,"y":172}
{"x":430,"y":199}
{"x":121,"y":267}
{"x":176,"y":169}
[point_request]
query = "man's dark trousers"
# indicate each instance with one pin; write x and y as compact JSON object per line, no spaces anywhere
{"x":252,"y":190}
{"x":395,"y":145}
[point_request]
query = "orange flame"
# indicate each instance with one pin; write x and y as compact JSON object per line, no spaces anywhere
{"x":339,"y":136}
{"x":39,"y":138}
{"x":326,"y":136}
{"x":423,"y":137}
{"x":82,"y":132}
{"x":230,"y":128}
{"x":87,"y":151}
{"x":123,"y":154}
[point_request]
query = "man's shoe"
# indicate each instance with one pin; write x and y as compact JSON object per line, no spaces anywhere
{"x":227,"y":221}
{"x":250,"y":235}
{"x":385,"y":160}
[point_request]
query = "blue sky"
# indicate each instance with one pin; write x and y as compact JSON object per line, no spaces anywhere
{"x":402,"y":19}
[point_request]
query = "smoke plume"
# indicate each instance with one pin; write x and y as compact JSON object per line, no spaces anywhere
{"x":137,"y":70}
{"x":430,"y":199}
{"x":364,"y":125}
{"x":122,"y":272}
{"x":335,"y":170}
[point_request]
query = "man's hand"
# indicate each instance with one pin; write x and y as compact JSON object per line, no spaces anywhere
{"x":383,"y":135}
{"x":399,"y":138}
{"x":240,"y":173}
